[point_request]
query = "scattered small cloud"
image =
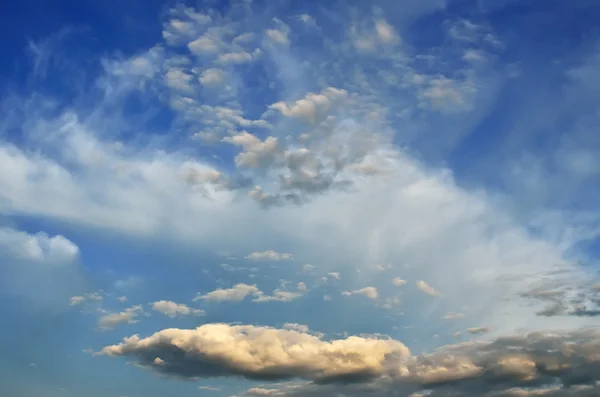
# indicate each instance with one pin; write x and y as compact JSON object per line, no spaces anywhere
{"x":369,"y":292}
{"x":269,"y":255}
{"x":127,"y":316}
{"x":172,"y":309}
{"x":237,"y":293}
{"x":426,"y":288}
{"x":398,"y":281}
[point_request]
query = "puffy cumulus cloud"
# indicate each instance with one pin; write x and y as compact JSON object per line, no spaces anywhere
{"x":369,"y":292}
{"x":236,"y":293}
{"x":536,"y":364}
{"x":314,"y":107}
{"x":42,"y":248}
{"x":212,"y":77}
{"x":269,"y":255}
{"x":426,"y":288}
{"x":172,"y":309}
{"x":256,"y":153}
{"x":259,"y":353}
{"x":128,"y":316}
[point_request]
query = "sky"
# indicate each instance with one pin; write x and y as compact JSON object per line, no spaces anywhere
{"x":290,"y":199}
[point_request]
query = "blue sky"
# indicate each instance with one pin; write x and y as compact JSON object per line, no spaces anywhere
{"x":299,"y":198}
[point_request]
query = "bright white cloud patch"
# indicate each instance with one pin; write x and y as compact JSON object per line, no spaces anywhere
{"x":236,"y":293}
{"x":212,"y":77}
{"x":172,"y":309}
{"x":369,"y":292}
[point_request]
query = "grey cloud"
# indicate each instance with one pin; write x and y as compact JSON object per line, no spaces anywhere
{"x":534,"y":365}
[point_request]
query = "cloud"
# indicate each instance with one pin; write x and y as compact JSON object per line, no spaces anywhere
{"x":277,"y":36}
{"x":226,"y":350}
{"x":127,"y":316}
{"x":327,"y":164}
{"x":452,"y":316}
{"x":314,"y":107}
{"x":478,"y":330}
{"x":212,"y":77}
{"x":397,"y":281}
{"x":237,"y":293}
{"x":236,"y":58}
{"x":369,"y":292}
{"x":41,"y":269}
{"x":381,"y":365}
{"x":172,"y":309}
{"x":90,"y":296}
{"x":208,"y":388}
{"x":41,"y":248}
{"x":426,"y":288}
{"x":269,"y":255}
{"x":335,"y":275}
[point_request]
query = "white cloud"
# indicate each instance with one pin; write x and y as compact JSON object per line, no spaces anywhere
{"x":256,"y":153}
{"x":40,"y":247}
{"x":237,"y":293}
{"x":426,"y":288}
{"x":178,"y":79}
{"x":385,"y":31}
{"x":212,"y":77}
{"x":204,"y":45}
{"x":40,"y":269}
{"x":236,"y":58}
{"x":335,"y":275}
{"x":127,"y":316}
{"x":278,"y":36}
{"x":369,"y":292}
{"x":314,"y":107}
{"x":397,"y":281}
{"x":269,"y":255}
{"x":172,"y":309}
